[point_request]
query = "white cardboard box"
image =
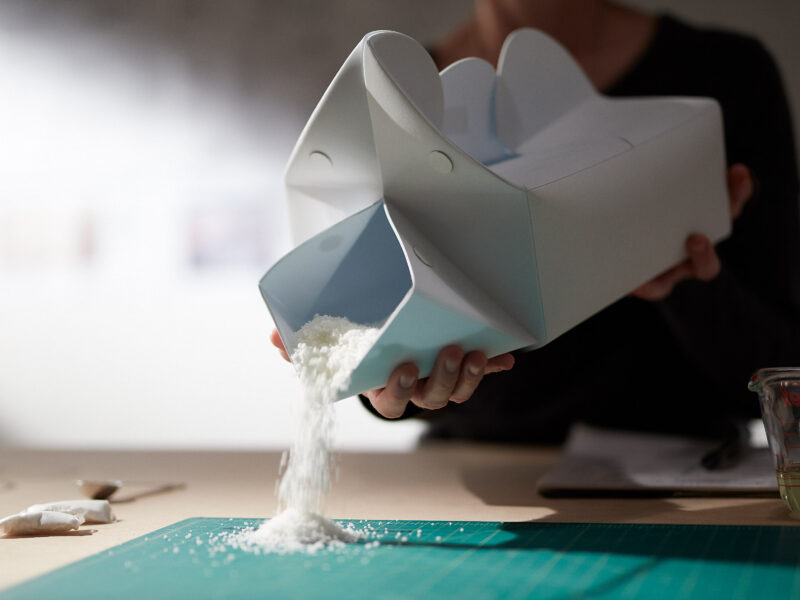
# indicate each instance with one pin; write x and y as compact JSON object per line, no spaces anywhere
{"x":493,"y":209}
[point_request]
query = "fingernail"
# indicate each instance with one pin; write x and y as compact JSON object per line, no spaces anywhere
{"x":406,"y":381}
{"x":450,"y":366}
{"x":473,"y":370}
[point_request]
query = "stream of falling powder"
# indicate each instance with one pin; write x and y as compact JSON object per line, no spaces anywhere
{"x":327,"y":351}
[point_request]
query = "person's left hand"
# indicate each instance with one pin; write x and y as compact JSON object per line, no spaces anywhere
{"x":703,"y":262}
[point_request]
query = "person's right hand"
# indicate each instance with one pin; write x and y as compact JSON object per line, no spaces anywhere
{"x":454,"y":378}
{"x":276,"y":340}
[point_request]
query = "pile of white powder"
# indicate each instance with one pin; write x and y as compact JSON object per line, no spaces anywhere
{"x":327,"y":351}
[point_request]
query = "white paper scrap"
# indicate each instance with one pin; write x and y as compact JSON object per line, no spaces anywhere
{"x":45,"y":521}
{"x":606,"y":460}
{"x":93,"y":511}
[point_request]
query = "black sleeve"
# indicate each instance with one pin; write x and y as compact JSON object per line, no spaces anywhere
{"x":749,"y":317}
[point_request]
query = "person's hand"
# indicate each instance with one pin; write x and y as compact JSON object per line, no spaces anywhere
{"x":454,"y":378}
{"x":703,"y":262}
{"x":276,"y":340}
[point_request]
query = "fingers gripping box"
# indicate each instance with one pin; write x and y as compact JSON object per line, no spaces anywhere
{"x":491,"y":209}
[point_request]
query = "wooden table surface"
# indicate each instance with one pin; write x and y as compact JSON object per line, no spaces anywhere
{"x":436,"y":482}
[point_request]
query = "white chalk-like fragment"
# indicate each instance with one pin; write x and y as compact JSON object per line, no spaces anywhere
{"x":93,"y":511}
{"x":44,"y":521}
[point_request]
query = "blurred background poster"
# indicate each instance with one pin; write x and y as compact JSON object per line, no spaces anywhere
{"x":141,"y":199}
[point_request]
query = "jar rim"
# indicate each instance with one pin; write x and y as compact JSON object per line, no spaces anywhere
{"x":768,"y":375}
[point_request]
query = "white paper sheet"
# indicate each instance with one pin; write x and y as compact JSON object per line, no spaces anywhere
{"x":604,"y":460}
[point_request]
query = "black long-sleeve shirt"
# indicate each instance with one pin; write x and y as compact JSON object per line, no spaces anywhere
{"x":681,"y":364}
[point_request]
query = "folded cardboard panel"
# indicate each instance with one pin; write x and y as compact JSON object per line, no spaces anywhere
{"x":493,"y":209}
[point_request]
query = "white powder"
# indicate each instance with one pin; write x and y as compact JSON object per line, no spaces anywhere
{"x":295,"y":531}
{"x":327,"y":351}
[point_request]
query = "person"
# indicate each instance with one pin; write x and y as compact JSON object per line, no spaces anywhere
{"x":677,"y":353}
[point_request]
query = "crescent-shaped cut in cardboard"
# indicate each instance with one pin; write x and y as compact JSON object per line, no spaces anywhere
{"x":491,"y":209}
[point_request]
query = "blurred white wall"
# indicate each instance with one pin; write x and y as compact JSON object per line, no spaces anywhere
{"x":141,"y":201}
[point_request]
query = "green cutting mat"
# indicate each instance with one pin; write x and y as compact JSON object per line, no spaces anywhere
{"x":424,"y":559}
